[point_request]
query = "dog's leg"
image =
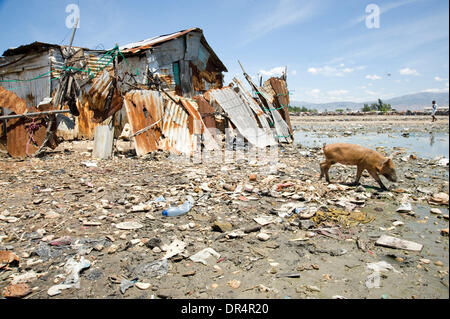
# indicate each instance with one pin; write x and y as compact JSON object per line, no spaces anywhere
{"x":374,"y":174}
{"x":321,"y":171}
{"x":324,"y":168}
{"x":359,"y":172}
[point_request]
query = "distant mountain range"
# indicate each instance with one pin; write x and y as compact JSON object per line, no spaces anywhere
{"x":416,"y":101}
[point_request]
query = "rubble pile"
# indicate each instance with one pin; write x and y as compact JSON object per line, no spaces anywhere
{"x":74,"y":227}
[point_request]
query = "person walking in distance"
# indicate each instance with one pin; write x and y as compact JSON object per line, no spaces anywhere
{"x":433,"y":111}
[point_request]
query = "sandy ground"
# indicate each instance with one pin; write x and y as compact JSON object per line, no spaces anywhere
{"x":324,"y":249}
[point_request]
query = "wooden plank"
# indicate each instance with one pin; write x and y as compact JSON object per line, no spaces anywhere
{"x":392,"y":242}
{"x":279,"y":86}
{"x":36,"y":114}
{"x":187,"y":88}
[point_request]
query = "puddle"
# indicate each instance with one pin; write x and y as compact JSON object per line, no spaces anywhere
{"x":423,"y":145}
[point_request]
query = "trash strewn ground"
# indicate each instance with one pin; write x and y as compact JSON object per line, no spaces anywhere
{"x":72,"y":227}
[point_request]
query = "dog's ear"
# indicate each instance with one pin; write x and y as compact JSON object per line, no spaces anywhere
{"x":389,"y":163}
{"x":383,"y":164}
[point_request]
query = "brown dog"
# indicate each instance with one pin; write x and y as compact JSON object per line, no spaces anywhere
{"x":363,"y":158}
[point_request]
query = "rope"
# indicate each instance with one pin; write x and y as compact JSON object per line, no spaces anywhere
{"x":279,"y":108}
{"x":36,"y":78}
{"x":31,"y":129}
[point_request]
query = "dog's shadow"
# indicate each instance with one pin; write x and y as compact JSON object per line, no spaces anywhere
{"x":376,"y":188}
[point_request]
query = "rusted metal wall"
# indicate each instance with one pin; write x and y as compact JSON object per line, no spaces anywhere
{"x":145,"y":108}
{"x":177,"y":137}
{"x":24,"y":136}
{"x":207,"y":113}
{"x":197,"y":127}
{"x":12,"y":101}
{"x":19,"y":141}
{"x":84,"y":126}
{"x":177,"y":127}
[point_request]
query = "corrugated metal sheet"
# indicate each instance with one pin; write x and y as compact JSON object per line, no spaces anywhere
{"x":145,"y":108}
{"x":20,"y":137}
{"x":181,"y":128}
{"x":176,"y":132}
{"x":192,"y":46}
{"x":190,"y":54}
{"x":241,"y":116}
{"x":178,"y":128}
{"x":84,"y":126}
{"x":197,"y":126}
{"x":282,"y":130}
{"x":96,"y":61}
{"x":11,"y":101}
{"x":281,"y":98}
{"x":30,"y":67}
{"x":207,"y":112}
{"x":99,"y":90}
{"x":148,"y":43}
{"x":247,"y":98}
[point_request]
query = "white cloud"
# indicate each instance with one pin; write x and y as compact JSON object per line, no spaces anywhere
{"x":438,"y":79}
{"x":337,"y":92}
{"x":313,"y":92}
{"x":408,"y":71}
{"x":278,"y":71}
{"x":313,"y":70}
{"x":331,"y":71}
{"x":373,"y":77}
{"x":294,"y":72}
{"x":436,"y":90}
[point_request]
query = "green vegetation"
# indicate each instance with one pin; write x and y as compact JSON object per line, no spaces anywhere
{"x":303,"y":109}
{"x":380,"y":107}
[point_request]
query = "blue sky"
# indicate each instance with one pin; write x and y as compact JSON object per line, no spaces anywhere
{"x":330,"y":53}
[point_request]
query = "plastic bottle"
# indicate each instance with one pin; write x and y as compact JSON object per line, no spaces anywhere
{"x":180,"y":210}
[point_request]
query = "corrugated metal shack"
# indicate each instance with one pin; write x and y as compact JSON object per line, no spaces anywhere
{"x":30,"y":73}
{"x":168,"y":88}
